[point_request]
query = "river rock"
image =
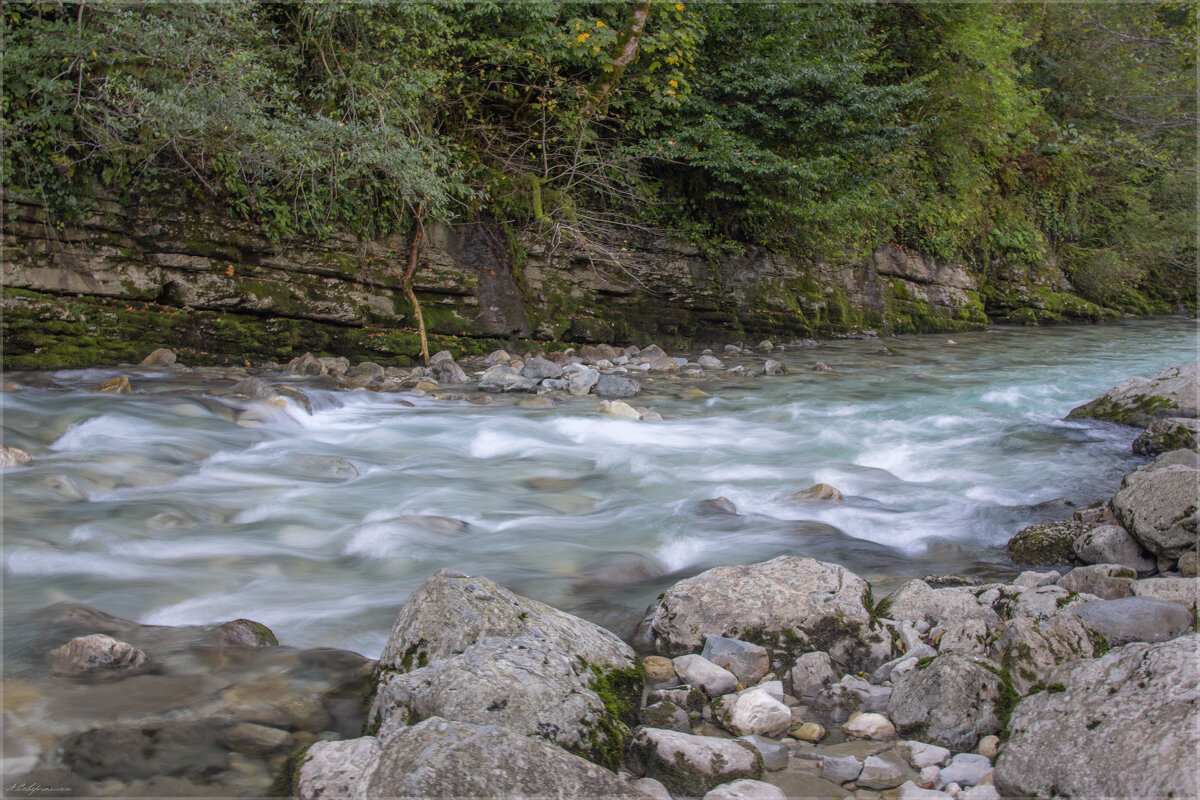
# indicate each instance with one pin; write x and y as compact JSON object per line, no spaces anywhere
{"x":118,"y":385}
{"x":923,"y":754}
{"x":838,"y":701}
{"x":1129,"y":718}
{"x":1158,"y":505}
{"x":1106,"y":581}
{"x":451,"y":610}
{"x":1135,"y":619}
{"x":1029,"y":650}
{"x":1048,"y":545}
{"x":307,"y":364}
{"x":951,"y":701}
{"x":812,"y":673}
{"x":666,"y":715}
{"x":718,"y":507}
{"x":772,"y":367}
{"x":128,"y":752}
{"x":917,"y":601}
{"x":746,"y":789}
{"x":775,"y":754}
{"x":253,"y":739}
{"x":1045,"y":602}
{"x":691,"y":698}
{"x":335,"y":365}
{"x":1185,"y":591}
{"x":1189,"y":564}
{"x":652,"y":788}
{"x":1112,"y":544}
{"x":965,"y":769}
{"x":969,"y":637}
{"x":816,"y":493}
{"x":503,"y":378}
{"x":448,"y":372}
{"x":1162,"y":435}
{"x":659,"y":672}
{"x":747,"y":661}
{"x":619,"y":408}
{"x":710,"y":362}
{"x":840,"y":769}
{"x":699,"y":671}
{"x":1031,"y":579}
{"x":341,"y":769}
{"x":879,"y":773}
{"x":96,"y":653}
{"x":538,"y":369}
{"x":580,"y":383}
{"x":616,"y":386}
{"x":690,"y":766}
{"x":870,"y":726}
{"x":752,"y":712}
{"x":162,"y":357}
{"x":792,"y":604}
{"x":14,"y":457}
{"x":808,"y":732}
{"x":1173,"y":392}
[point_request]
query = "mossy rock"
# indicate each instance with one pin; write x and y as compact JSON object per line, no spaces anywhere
{"x":1048,"y":545}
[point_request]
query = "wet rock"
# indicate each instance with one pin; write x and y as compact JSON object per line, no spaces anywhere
{"x":879,"y":773}
{"x":538,"y":369}
{"x":746,"y":789}
{"x":253,"y":739}
{"x":840,"y":769}
{"x":811,"y":673}
{"x":1173,"y":392}
{"x":127,"y":752}
{"x":821,"y":366}
{"x":772,"y":367}
{"x":307,"y":364}
{"x":1134,"y":619}
{"x":666,"y":715}
{"x":917,"y":601}
{"x":690,"y":765}
{"x":952,"y":701}
{"x":792,"y":604}
{"x":114,"y":386}
{"x":14,"y":457}
{"x":449,"y":373}
{"x":97,"y":653}
{"x":244,"y":633}
{"x":1112,"y":544}
{"x":718,"y":507}
{"x":1029,"y":650}
{"x":752,"y":712}
{"x":699,"y":671}
{"x":582,"y":381}
{"x":1129,"y":719}
{"x":1184,"y":591}
{"x":162,"y":357}
{"x":870,"y":726}
{"x":1106,"y":581}
{"x":503,"y":378}
{"x":747,"y":661}
{"x":1164,"y":435}
{"x":775,"y":754}
{"x":1158,"y":505}
{"x":1049,"y":545}
{"x":710,"y":362}
{"x":619,"y":408}
{"x":616,"y":386}
{"x":819,"y":492}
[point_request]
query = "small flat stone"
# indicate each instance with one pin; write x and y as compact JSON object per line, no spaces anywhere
{"x":879,"y":774}
{"x":699,"y":671}
{"x":921,"y":754}
{"x":840,"y":769}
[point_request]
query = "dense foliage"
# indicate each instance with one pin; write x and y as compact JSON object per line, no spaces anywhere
{"x":993,"y":133}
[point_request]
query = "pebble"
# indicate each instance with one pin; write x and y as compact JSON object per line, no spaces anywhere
{"x":989,"y":747}
{"x":660,"y":672}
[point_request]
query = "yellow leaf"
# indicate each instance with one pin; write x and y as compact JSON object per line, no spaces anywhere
{"x":679,"y":6}
{"x":673,"y":83}
{"x":583,"y":37}
{"x":599,"y":24}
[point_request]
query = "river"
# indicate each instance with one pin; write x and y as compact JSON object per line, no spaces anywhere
{"x":177,"y":505}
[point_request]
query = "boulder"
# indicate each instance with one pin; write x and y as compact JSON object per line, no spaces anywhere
{"x":1029,"y":650}
{"x":840,"y":769}
{"x":448,"y":372}
{"x":1173,"y":392}
{"x":870,"y":726}
{"x":812,"y":673}
{"x":917,"y":601}
{"x":699,"y":671}
{"x":1106,"y":581}
{"x":1047,"y":545}
{"x":1122,"y":725}
{"x":747,"y":661}
{"x":307,"y":364}
{"x":746,"y":789}
{"x":443,"y":758}
{"x":1163,"y":435}
{"x":1160,"y":505}
{"x":503,"y":378}
{"x":538,"y":369}
{"x":162,"y":357}
{"x":951,"y":701}
{"x":1112,"y":544}
{"x":880,"y":773}
{"x":789,"y":604}
{"x":616,"y":386}
{"x":1185,"y":591}
{"x":1134,"y":619}
{"x":690,"y":766}
{"x":97,"y":653}
{"x":752,"y":712}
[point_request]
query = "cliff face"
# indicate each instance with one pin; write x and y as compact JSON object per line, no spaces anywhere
{"x":127,"y":279}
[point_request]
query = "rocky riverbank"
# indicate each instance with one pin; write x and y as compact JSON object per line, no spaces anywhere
{"x":787,"y":678}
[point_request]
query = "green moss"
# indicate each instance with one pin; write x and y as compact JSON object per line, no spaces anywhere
{"x":1048,"y":545}
{"x":1006,"y":698}
{"x":287,"y":780}
{"x":620,"y":691}
{"x":1100,"y":644}
{"x":1056,"y":688}
{"x":925,"y":662}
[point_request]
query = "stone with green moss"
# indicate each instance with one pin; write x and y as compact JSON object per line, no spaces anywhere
{"x":1048,"y":545}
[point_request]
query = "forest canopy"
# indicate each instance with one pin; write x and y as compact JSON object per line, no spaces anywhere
{"x":1022,"y":132}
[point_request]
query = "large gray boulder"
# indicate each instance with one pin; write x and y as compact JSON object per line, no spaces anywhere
{"x":443,"y":758}
{"x":1029,"y":650}
{"x":951,"y":701}
{"x":917,"y":601}
{"x":788,"y":605}
{"x":1112,"y":544}
{"x":503,"y":378}
{"x":1106,"y":581}
{"x":450,"y":611}
{"x":1135,"y":619}
{"x":1173,"y":392}
{"x":1185,"y":591}
{"x":1160,"y":505}
{"x":691,"y":765}
{"x":1122,"y":725}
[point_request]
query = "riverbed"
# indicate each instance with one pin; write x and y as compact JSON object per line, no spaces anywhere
{"x":178,"y":505}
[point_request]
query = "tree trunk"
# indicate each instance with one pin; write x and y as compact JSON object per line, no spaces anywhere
{"x":418,"y":233}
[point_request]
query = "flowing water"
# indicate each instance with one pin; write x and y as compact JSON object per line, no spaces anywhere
{"x":176,"y":505}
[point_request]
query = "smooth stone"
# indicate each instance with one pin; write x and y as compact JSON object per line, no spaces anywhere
{"x":699,"y":671}
{"x":923,"y":754}
{"x":619,"y":408}
{"x":809,"y":732}
{"x":746,"y":789}
{"x":753,"y":712}
{"x":772,"y":367}
{"x":1135,"y":619}
{"x":989,"y":747}
{"x":503,"y":378}
{"x":615,"y":386}
{"x":718,"y":506}
{"x":581,"y":382}
{"x":878,"y":773}
{"x":870,"y":726}
{"x":749,"y":662}
{"x":710,"y":362}
{"x":98,"y":652}
{"x":811,"y":673}
{"x":651,"y":787}
{"x":162,"y":357}
{"x":1189,"y":564}
{"x":775,"y":754}
{"x":659,"y":672}
{"x":965,"y":769}
{"x":1112,"y":544}
{"x":840,"y":769}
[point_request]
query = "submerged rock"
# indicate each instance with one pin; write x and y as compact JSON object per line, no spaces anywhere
{"x":14,"y":457}
{"x":1122,"y":725}
{"x":96,"y":653}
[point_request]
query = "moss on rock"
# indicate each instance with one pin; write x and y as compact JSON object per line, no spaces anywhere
{"x":1048,"y":545}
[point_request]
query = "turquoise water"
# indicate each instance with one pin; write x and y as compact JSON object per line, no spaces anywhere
{"x":176,"y":505}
